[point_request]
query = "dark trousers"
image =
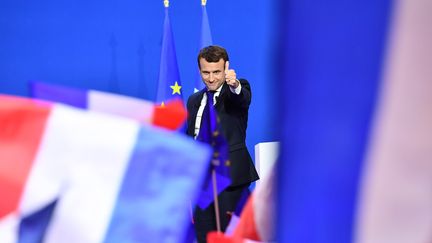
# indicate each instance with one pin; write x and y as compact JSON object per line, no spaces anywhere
{"x":205,"y":219}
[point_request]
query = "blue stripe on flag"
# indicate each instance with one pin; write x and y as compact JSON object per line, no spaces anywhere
{"x":69,"y":96}
{"x":331,"y":65}
{"x":163,"y":177}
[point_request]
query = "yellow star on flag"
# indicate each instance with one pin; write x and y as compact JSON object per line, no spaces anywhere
{"x":176,"y":88}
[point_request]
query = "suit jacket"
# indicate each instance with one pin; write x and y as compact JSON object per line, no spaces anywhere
{"x":232,"y":110}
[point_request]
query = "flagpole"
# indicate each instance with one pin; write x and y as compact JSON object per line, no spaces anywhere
{"x":216,"y":202}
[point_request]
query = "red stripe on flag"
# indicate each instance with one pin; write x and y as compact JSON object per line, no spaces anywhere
{"x":245,"y":229}
{"x":22,"y":124}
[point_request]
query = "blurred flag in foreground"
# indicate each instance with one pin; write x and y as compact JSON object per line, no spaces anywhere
{"x":357,"y":136}
{"x":171,"y":116}
{"x":205,"y":40}
{"x":169,"y":85}
{"x":69,"y":175}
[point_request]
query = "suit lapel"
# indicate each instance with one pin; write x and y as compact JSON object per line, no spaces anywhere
{"x":221,"y":96}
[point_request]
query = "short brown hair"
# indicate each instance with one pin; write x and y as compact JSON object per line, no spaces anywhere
{"x":212,"y":54}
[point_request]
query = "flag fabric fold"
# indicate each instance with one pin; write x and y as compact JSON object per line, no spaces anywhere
{"x":357,"y":122}
{"x":69,"y":175}
{"x":171,"y":116}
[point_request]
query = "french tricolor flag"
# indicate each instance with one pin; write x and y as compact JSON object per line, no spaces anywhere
{"x":171,"y":116}
{"x":356,"y":161}
{"x":356,"y":104}
{"x":70,"y":175}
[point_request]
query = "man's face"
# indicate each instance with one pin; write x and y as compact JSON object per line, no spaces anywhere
{"x":212,"y":73}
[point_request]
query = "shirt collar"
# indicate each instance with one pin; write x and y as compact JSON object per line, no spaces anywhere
{"x":217,"y":92}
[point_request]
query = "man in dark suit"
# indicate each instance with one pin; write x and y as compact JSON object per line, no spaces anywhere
{"x":231,"y":99}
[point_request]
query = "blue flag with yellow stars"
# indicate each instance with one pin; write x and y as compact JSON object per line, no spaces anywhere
{"x":219,"y":163}
{"x":169,"y":85}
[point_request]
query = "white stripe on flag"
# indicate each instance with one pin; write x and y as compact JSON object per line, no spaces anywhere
{"x":137,"y":109}
{"x":264,"y":204}
{"x":95,"y":148}
{"x":396,"y":201}
{"x":9,"y":228}
{"x":47,"y":174}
